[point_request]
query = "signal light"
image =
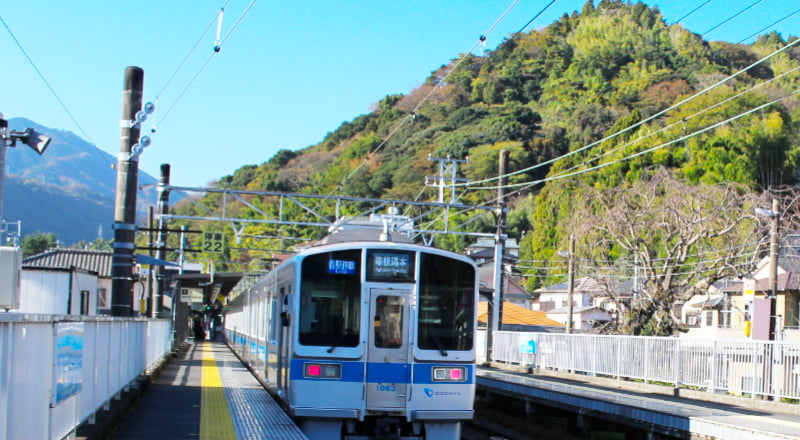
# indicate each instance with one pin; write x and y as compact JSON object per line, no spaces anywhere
{"x":449,"y":374}
{"x":322,"y":371}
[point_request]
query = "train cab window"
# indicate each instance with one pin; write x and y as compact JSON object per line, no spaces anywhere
{"x":330,"y":299}
{"x":446,"y":304}
{"x":388,"y":321}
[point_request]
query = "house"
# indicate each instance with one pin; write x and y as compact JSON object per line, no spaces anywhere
{"x":590,"y":303}
{"x":58,"y":291}
{"x":555,"y":296}
{"x":583,"y":317}
{"x":515,"y":317}
{"x":98,"y":263}
{"x":74,"y":261}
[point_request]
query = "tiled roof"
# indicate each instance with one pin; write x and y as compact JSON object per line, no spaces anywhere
{"x":94,"y":261}
{"x":514,"y":314}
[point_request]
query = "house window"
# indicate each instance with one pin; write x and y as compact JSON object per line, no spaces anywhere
{"x":709,"y":318}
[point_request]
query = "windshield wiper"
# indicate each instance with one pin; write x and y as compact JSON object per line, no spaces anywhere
{"x":438,"y":343}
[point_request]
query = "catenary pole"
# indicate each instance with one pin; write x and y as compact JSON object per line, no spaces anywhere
{"x":125,"y":205}
{"x":500,"y":239}
{"x":161,"y":239}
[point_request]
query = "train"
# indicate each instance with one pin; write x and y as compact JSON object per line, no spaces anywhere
{"x":364,"y":338}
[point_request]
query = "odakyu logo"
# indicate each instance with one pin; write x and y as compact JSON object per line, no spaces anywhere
{"x":431,"y":393}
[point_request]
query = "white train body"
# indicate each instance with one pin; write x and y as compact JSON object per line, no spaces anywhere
{"x":365,"y":340}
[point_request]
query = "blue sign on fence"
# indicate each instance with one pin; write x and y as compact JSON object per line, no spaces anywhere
{"x":528,"y":347}
{"x":68,"y":360}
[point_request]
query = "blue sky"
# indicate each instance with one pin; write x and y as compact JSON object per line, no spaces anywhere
{"x":288,"y":73}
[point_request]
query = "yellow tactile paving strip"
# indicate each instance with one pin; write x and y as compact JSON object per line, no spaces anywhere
{"x":215,"y":415}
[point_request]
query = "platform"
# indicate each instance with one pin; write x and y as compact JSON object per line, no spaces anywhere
{"x":207,"y":393}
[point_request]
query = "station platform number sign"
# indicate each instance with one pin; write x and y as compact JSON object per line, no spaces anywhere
{"x":213,"y":241}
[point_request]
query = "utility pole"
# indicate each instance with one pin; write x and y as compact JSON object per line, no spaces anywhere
{"x":161,"y":239}
{"x":125,"y":205}
{"x":570,"y":282}
{"x":448,"y":169}
{"x":500,"y":239}
{"x":773,"y":268}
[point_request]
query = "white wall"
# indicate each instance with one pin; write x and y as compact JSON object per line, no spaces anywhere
{"x":50,"y":292}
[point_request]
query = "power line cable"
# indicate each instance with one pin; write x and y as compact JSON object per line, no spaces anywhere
{"x":692,"y":11}
{"x":730,"y":18}
{"x":215,"y":51}
{"x":191,"y":51}
{"x":767,"y":27}
{"x":649,"y":150}
{"x":46,"y":82}
{"x":442,"y":81}
{"x":684,"y":120}
{"x":640,"y":123}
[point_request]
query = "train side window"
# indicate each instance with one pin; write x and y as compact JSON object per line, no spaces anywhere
{"x":330,"y":299}
{"x":284,"y":308}
{"x":388,"y":322}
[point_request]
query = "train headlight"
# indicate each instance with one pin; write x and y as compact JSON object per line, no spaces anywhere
{"x":322,"y":371}
{"x":449,"y":374}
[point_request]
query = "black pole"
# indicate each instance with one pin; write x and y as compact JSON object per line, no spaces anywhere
{"x":773,"y":269}
{"x":125,"y":206}
{"x":161,"y":240}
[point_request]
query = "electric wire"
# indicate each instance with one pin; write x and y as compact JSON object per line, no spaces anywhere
{"x":191,"y":51}
{"x":442,"y":81}
{"x":208,"y":60}
{"x":640,"y":123}
{"x":649,"y":150}
{"x":46,"y":82}
{"x":767,"y":27}
{"x":542,"y":11}
{"x":683,"y":120}
{"x":730,"y":18}
{"x":692,"y":11}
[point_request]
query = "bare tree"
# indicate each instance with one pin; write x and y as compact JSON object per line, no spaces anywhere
{"x":678,"y":238}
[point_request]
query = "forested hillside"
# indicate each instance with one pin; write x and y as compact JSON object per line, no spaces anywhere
{"x":599,"y":99}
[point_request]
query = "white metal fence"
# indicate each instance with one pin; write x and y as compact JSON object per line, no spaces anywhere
{"x":739,"y":367}
{"x":58,"y":371}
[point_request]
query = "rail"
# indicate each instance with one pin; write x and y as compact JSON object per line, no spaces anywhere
{"x":57,"y":372}
{"x":739,"y":367}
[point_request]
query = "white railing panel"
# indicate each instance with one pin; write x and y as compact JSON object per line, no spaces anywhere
{"x":739,"y":367}
{"x":106,"y":355}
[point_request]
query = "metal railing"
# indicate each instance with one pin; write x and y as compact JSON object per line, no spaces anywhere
{"x":57,"y":372}
{"x":739,"y":367}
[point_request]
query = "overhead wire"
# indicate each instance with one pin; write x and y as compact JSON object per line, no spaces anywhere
{"x":692,"y":11}
{"x":650,"y":150}
{"x":46,"y":82}
{"x":730,"y":18}
{"x":638,"y":124}
{"x":767,"y":27}
{"x":411,"y":115}
{"x":684,"y":120}
{"x":215,"y":51}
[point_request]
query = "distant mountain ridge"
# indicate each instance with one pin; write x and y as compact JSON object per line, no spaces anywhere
{"x":69,"y":190}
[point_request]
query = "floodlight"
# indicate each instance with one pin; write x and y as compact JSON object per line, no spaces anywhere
{"x":31,"y":138}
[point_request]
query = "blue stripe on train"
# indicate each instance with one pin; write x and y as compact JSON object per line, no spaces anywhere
{"x":378,"y":372}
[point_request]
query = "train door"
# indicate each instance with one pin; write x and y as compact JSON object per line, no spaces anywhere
{"x":388,"y":369}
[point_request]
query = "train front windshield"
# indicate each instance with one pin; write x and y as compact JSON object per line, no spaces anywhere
{"x":330,"y":299}
{"x":446,"y":304}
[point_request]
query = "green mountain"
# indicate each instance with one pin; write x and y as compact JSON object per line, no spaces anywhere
{"x":550,"y":97}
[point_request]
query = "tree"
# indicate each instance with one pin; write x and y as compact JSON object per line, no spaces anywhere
{"x":37,"y":243}
{"x":679,"y":238}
